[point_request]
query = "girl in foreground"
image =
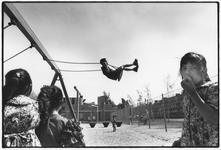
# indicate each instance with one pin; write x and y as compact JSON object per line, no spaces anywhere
{"x":200,"y":104}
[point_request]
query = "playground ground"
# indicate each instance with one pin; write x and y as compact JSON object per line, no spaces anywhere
{"x":133,"y":135}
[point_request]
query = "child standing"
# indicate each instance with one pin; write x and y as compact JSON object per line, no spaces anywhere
{"x":21,"y":113}
{"x":200,"y":104}
{"x":55,"y":130}
{"x":114,"y":123}
{"x":116,"y":72}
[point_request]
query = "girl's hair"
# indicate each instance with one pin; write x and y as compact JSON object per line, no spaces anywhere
{"x":197,"y":59}
{"x":49,"y":98}
{"x":17,"y":82}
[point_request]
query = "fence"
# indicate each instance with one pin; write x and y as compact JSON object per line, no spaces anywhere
{"x":164,"y":108}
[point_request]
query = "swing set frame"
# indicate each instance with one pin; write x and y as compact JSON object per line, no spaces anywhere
{"x":16,"y":17}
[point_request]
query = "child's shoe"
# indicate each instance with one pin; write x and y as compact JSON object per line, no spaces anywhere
{"x":136,"y":68}
{"x":135,"y":62}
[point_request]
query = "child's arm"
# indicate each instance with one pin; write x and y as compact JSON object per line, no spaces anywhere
{"x":107,"y":69}
{"x":204,"y":109}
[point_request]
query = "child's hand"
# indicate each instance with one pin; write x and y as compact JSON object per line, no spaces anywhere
{"x":188,"y":85}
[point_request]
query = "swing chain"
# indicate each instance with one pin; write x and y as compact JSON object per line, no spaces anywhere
{"x":19,"y":52}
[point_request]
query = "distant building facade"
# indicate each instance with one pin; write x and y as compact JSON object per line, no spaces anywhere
{"x":173,"y":107}
{"x":89,"y":111}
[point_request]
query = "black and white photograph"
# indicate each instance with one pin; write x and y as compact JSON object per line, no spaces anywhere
{"x":110,"y":74}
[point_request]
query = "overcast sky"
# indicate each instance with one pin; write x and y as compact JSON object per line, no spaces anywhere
{"x":157,"y":34}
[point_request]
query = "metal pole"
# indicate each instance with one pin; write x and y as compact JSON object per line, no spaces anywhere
{"x":168,"y":104}
{"x":97,"y":114}
{"x":77,"y":102}
{"x":164,"y":114}
{"x":139,"y":114}
{"x":148,"y":113}
{"x":54,"y":79}
{"x":104,"y":112}
{"x":152,"y":112}
{"x":77,"y":106}
{"x":67,"y":98}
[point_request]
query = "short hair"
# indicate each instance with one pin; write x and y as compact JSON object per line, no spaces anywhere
{"x":103,"y":60}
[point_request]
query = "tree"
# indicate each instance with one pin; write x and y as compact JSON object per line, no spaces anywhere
{"x":168,"y":83}
{"x":148,"y":101}
{"x":123,"y":104}
{"x":107,"y":99}
{"x":140,"y":96}
{"x":120,"y":106}
{"x":148,"y":94}
{"x":130,"y":100}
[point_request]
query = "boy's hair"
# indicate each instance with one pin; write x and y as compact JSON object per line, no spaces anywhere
{"x":197,"y":59}
{"x":103,"y":60}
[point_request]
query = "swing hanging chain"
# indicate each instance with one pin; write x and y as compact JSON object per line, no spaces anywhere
{"x":11,"y":23}
{"x":32,"y":45}
{"x":79,"y":70}
{"x":70,"y":62}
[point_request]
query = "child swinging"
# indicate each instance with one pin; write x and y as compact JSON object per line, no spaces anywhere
{"x":115,"y":73}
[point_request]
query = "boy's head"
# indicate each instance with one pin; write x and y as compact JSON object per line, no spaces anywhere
{"x":197,"y":61}
{"x":103,"y":60}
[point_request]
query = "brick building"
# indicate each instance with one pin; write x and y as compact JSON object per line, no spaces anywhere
{"x":173,"y":107}
{"x":89,"y":111}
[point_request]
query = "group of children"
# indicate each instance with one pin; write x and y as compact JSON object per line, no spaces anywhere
{"x":26,"y":120}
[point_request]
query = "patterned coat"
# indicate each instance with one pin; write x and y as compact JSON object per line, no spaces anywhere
{"x":196,"y":130}
{"x":21,"y":117}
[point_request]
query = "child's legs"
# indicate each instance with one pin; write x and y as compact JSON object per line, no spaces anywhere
{"x":114,"y":128}
{"x":127,"y":67}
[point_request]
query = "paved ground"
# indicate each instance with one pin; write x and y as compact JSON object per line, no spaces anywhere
{"x":133,"y":135}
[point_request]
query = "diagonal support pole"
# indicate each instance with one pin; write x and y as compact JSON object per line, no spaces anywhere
{"x":65,"y":93}
{"x":54,"y":79}
{"x":67,"y":98}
